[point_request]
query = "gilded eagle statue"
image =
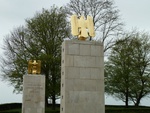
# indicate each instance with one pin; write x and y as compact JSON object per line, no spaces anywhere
{"x":81,"y":27}
{"x":34,"y":67}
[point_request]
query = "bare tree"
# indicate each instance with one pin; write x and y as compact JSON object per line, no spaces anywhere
{"x":105,"y":16}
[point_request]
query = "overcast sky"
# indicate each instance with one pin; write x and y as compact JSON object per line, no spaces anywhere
{"x":134,"y":13}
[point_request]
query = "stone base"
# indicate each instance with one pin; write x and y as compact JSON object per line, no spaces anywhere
{"x":33,"y":94}
{"x":82,"y":77}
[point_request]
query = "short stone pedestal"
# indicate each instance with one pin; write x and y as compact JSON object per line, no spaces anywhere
{"x":82,"y":77}
{"x":33,"y":94}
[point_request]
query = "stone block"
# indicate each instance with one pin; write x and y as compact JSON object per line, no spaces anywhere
{"x":85,"y":101}
{"x":97,"y":73}
{"x":85,"y":73}
{"x":82,"y":85}
{"x":99,"y":62}
{"x":91,"y":61}
{"x":64,"y":49}
{"x":79,"y":61}
{"x":82,"y":77}
{"x":84,"y":50}
{"x":97,"y":50}
{"x":84,"y":61}
{"x":72,"y":72}
{"x":33,"y":94}
{"x":100,"y":85}
{"x":73,"y":49}
{"x":68,"y":61}
{"x":63,"y":72}
{"x":69,"y":85}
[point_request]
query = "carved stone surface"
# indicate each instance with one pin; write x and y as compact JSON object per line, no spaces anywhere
{"x":82,"y":77}
{"x":33,"y":94}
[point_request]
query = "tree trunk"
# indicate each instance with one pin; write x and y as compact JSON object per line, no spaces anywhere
{"x":46,"y":89}
{"x":46,"y":97}
{"x":46,"y":101}
{"x":140,"y":95}
{"x":54,"y":88}
{"x":137,"y":103}
{"x":53,"y":102}
{"x":138,"y":100}
{"x":127,"y":96}
{"x":126,"y":102}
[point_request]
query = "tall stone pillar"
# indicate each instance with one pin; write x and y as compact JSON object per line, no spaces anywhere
{"x":82,"y":77}
{"x":33,"y":94}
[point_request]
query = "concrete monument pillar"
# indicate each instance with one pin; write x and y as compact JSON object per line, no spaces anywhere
{"x":33,"y":94}
{"x":33,"y":89}
{"x":82,"y":77}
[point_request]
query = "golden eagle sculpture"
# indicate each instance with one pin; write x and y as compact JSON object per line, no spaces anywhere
{"x":34,"y":67}
{"x":81,"y":27}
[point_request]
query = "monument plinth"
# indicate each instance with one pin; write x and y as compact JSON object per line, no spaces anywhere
{"x":33,"y":89}
{"x":33,"y":94}
{"x":82,"y":77}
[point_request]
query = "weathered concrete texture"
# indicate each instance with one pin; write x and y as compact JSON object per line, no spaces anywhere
{"x":33,"y":94}
{"x":82,"y":77}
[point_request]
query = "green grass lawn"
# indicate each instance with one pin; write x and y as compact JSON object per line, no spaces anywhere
{"x":108,"y":109}
{"x":47,"y":110}
{"x":11,"y":111}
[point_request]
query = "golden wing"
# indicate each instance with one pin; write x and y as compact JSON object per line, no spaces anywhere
{"x":30,"y":67}
{"x":39,"y":67}
{"x":90,"y":26}
{"x":74,"y":25}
